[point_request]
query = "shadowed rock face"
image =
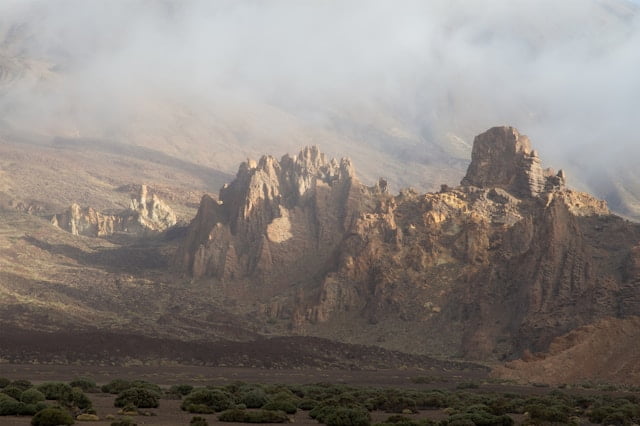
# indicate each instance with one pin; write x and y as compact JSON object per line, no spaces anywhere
{"x":499,"y":265}
{"x":146,"y":214}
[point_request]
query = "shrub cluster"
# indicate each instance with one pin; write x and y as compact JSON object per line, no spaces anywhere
{"x":241,"y":415}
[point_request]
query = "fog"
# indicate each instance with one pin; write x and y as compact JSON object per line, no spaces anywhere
{"x":563,"y":72}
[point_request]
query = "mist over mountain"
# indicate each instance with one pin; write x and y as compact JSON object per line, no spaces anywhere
{"x":401,"y":87}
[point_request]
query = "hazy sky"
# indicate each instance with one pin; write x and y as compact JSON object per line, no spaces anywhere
{"x":564,"y":72}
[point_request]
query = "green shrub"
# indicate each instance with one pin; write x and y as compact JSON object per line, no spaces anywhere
{"x":398,"y":420}
{"x":214,"y":399}
{"x":32,"y":396}
{"x":479,"y":418}
{"x":52,"y":417}
{"x":78,"y":399}
{"x":307,"y":404}
{"x":13,"y":391}
{"x":55,"y":390}
{"x":198,"y":409}
{"x":116,"y":386}
{"x":348,"y":417}
{"x":548,"y":412}
{"x":8,"y":405}
{"x":258,"y":416}
{"x":139,"y":397}
{"x":30,"y":409}
{"x":181,"y":389}
{"x":287,"y":406}
{"x":87,"y":385}
{"x":255,"y":398}
{"x":198,"y":421}
{"x":22,"y":384}
{"x":4,"y":382}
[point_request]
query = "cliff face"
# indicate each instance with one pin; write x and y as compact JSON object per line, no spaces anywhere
{"x":145,"y":214}
{"x":501,"y":264}
{"x":277,"y":223}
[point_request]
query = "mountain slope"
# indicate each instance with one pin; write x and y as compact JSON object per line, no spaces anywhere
{"x":499,"y":265}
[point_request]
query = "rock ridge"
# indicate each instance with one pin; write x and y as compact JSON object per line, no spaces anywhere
{"x":495,"y":267}
{"x":146,"y":214}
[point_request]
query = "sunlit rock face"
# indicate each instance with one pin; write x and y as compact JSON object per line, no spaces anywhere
{"x":146,"y":214}
{"x":499,"y":265}
{"x":279,"y":221}
{"x":503,"y":158}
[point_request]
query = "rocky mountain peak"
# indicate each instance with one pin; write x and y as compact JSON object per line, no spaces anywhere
{"x":502,"y":157}
{"x":302,"y":202}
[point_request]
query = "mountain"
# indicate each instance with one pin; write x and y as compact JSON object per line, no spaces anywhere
{"x":490,"y":269}
{"x":508,"y":264}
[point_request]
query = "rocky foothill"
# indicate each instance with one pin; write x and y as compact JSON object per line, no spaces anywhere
{"x":146,"y":214}
{"x":490,"y":269}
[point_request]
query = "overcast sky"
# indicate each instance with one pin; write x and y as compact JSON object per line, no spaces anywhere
{"x":564,"y":72}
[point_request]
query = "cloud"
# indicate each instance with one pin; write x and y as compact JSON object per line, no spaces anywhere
{"x":563,"y":72}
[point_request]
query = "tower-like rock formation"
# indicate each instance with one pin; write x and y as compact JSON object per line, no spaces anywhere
{"x":502,"y":157}
{"x":278,"y":222}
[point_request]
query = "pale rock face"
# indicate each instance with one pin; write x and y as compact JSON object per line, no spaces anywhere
{"x":502,"y":157}
{"x":143,"y":216}
{"x":300,"y":204}
{"x":494,"y":267}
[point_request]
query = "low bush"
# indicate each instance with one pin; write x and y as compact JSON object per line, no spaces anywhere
{"x":214,"y":399}
{"x":181,"y":389}
{"x":259,"y":416}
{"x":13,"y":391}
{"x":255,"y":398}
{"x":118,"y":385}
{"x":55,"y":390}
{"x":139,"y":397}
{"x":77,"y":399}
{"x":32,"y":396}
{"x":198,"y":421}
{"x":22,"y":384}
{"x":198,"y":409}
{"x":87,"y":385}
{"x":348,"y":417}
{"x":307,"y":404}
{"x":398,"y":420}
{"x":52,"y":417}
{"x":287,"y":406}
{"x":4,"y":382}
{"x":548,"y":412}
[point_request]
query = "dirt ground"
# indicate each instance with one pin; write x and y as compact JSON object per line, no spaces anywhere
{"x":202,"y":376}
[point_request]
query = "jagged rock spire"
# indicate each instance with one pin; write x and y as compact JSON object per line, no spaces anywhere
{"x":502,"y":157}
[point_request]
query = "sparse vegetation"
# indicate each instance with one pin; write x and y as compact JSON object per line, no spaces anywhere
{"x":198,"y":421}
{"x":206,"y":401}
{"x":259,"y":416}
{"x":329,"y":404}
{"x":52,"y":417}
{"x":138,"y":397}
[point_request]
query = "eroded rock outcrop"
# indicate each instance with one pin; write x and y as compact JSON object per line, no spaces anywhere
{"x":503,"y":158}
{"x":145,"y":215}
{"x":278,"y":222}
{"x":498,"y":266}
